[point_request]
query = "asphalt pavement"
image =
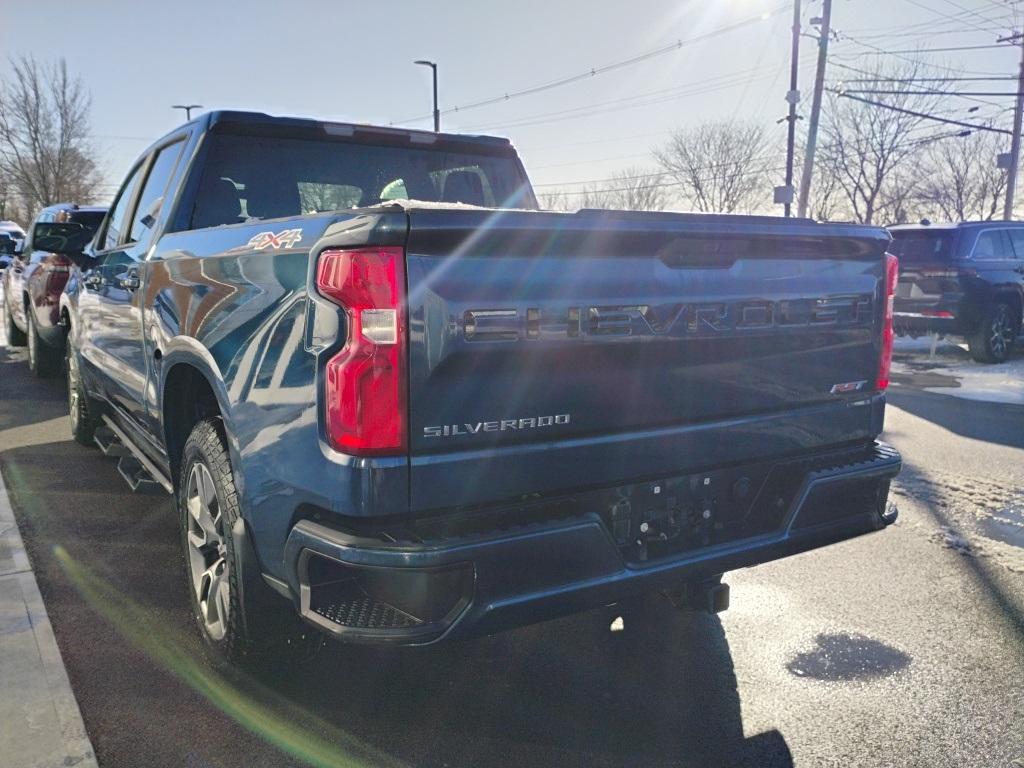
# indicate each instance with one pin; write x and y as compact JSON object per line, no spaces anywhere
{"x":903,"y":648}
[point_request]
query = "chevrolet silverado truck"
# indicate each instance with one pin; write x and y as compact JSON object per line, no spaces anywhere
{"x":394,"y":399}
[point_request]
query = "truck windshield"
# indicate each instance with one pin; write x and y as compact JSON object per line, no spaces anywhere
{"x":264,"y":177}
{"x":914,"y":246}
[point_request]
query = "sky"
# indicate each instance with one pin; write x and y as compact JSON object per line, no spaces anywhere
{"x":352,"y":61}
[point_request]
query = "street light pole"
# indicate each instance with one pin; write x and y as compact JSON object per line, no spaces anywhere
{"x":188,"y":109}
{"x":437,"y":112}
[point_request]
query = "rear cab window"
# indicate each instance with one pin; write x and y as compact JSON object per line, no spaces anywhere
{"x":247,"y":177}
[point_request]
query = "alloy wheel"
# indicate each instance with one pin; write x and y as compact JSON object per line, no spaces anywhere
{"x":33,"y":344}
{"x":207,"y":551}
{"x":1001,"y":332}
{"x":73,"y":395}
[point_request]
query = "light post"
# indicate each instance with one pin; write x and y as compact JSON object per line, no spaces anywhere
{"x":437,"y":112}
{"x":188,"y":109}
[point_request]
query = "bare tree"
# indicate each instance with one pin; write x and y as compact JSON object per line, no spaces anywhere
{"x":866,"y":145}
{"x":961,"y":179}
{"x":720,"y":167}
{"x":637,"y":189}
{"x":631,"y":189}
{"x":45,"y":151}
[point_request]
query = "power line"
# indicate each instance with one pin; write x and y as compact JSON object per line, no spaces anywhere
{"x":972,"y":11}
{"x":877,"y":92}
{"x":593,"y":72}
{"x":710,"y":167}
{"x":923,"y":115}
{"x":927,"y":79}
{"x":663,"y":183}
{"x":616,"y":105}
{"x":934,"y":50}
{"x":924,"y":7}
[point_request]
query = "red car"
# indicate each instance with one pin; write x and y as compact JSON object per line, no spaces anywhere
{"x":33,"y":283}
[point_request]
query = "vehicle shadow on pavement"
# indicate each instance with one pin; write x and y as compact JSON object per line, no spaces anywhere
{"x":661,"y":692}
{"x":979,"y":420}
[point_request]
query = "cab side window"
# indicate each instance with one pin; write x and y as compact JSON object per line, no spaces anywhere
{"x":150,"y":201}
{"x":991,"y":244}
{"x":117,"y":219}
{"x":1017,"y":239}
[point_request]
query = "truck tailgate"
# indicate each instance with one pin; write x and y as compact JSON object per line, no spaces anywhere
{"x":556,"y":351}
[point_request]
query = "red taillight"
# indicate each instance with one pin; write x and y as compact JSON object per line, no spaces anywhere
{"x":365,"y":390}
{"x":892,"y":273}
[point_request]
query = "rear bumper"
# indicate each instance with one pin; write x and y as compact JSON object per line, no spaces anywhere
{"x":376,"y":590}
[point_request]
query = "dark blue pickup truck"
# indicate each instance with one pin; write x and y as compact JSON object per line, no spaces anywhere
{"x":393,"y":398}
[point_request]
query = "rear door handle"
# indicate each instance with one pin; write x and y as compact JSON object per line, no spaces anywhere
{"x":93,"y":280}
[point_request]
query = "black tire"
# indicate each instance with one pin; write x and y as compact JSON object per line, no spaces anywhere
{"x":43,"y":360}
{"x":83,"y":411}
{"x":15,"y":338}
{"x":208,"y":511}
{"x":993,"y":340}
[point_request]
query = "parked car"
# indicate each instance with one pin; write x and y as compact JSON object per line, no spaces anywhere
{"x":33,"y":284}
{"x":11,"y":238}
{"x":391,"y":397}
{"x":963,"y":279}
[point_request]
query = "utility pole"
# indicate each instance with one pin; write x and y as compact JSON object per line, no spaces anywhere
{"x":784,"y":194}
{"x":1011,"y":172}
{"x":812,"y":126}
{"x":437,"y":112}
{"x":188,"y":109}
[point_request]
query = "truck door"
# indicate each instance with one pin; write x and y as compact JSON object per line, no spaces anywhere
{"x":119,"y":336}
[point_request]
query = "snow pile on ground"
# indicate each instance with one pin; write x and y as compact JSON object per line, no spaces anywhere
{"x":951,"y":371}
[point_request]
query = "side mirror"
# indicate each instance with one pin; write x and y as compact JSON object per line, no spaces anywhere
{"x":64,"y":237}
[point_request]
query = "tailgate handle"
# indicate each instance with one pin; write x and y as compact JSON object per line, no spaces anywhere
{"x":491,"y":324}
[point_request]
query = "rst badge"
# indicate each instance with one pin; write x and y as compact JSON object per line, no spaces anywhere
{"x":285,"y":239}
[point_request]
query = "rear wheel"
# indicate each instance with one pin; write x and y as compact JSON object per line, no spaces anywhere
{"x":15,"y":338}
{"x":993,"y":340}
{"x":208,"y":510}
{"x":82,"y":411}
{"x":43,"y":360}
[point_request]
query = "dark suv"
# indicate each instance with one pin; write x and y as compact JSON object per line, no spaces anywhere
{"x":963,"y":279}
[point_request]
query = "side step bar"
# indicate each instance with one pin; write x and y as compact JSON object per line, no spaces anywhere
{"x":135,"y":467}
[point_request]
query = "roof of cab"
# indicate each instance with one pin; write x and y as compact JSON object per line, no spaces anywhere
{"x":257,"y":120}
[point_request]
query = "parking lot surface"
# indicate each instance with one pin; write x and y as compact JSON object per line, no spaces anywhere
{"x":905,"y":647}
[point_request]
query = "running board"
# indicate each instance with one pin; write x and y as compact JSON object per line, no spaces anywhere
{"x":109,"y":443}
{"x":135,"y":467}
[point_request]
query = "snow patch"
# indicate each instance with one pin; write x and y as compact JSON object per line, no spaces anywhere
{"x":951,"y":371}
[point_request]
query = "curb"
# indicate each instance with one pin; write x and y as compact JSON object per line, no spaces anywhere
{"x":40,"y":723}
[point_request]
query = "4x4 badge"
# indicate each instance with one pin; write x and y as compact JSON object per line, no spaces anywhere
{"x":284,"y":239}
